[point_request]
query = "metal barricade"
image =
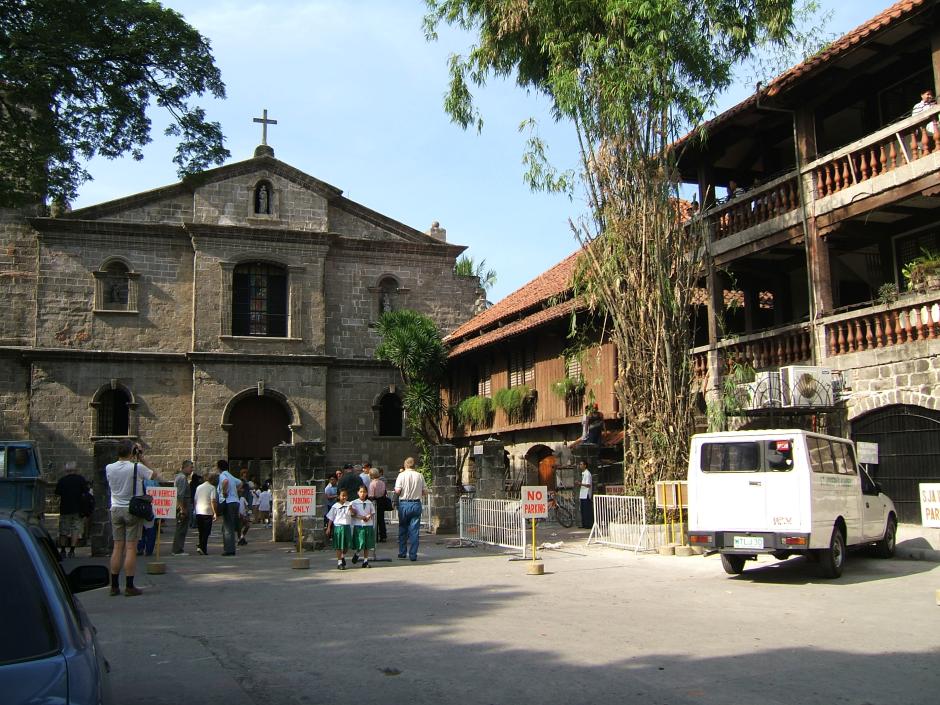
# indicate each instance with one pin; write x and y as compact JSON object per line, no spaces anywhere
{"x":619,"y":521}
{"x":391,"y":516}
{"x":497,"y":522}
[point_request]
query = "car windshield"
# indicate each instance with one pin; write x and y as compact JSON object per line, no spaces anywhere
{"x":22,"y":604}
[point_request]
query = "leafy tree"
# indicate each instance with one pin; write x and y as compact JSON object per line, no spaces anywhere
{"x":76,"y":79}
{"x":412,"y":343}
{"x":466,"y":267}
{"x":630,"y":75}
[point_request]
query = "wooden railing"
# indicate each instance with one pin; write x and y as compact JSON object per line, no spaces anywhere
{"x":870,"y":329}
{"x":756,"y":206}
{"x":883,"y":151}
{"x":771,"y":349}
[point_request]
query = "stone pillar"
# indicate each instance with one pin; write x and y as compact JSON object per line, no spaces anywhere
{"x":297,"y":464}
{"x":101,"y":539}
{"x":589,"y":453}
{"x":443,"y":489}
{"x":491,"y":470}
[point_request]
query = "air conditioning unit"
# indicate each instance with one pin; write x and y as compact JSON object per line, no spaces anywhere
{"x":805,"y":386}
{"x":765,"y":390}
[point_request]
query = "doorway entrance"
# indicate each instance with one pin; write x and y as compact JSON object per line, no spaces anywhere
{"x":257,"y":424}
{"x":908,"y":439}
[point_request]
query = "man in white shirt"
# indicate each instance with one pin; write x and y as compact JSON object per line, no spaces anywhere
{"x":585,"y":494}
{"x":410,"y":488}
{"x":124,"y":525}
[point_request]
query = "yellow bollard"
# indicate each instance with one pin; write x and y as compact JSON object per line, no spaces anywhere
{"x":157,"y":567}
{"x":300,"y":563}
{"x":536,"y":567}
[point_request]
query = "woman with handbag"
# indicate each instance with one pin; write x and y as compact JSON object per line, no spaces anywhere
{"x":129,"y":509}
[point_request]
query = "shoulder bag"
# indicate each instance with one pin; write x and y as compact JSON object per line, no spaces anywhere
{"x":140,"y":505}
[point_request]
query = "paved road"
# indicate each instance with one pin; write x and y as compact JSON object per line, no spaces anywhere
{"x":466,"y":625}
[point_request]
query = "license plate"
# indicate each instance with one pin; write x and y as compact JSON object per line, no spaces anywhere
{"x":749,"y":542}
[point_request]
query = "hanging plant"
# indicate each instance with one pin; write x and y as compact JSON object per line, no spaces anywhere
{"x":512,"y":400}
{"x":568,"y":387}
{"x":476,"y":411}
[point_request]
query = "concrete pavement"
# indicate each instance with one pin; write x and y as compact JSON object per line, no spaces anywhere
{"x":467,"y":625}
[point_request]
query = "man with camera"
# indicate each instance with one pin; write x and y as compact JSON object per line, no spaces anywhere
{"x":126,"y":526}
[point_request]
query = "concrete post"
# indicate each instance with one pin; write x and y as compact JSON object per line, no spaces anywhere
{"x":589,"y":453}
{"x":491,"y":470}
{"x":443,"y":489}
{"x":101,"y":539}
{"x":297,"y":464}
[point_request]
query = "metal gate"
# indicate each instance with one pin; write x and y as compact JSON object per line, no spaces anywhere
{"x":908,"y":439}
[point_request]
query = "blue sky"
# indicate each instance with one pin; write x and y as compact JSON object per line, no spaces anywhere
{"x":358,"y":95}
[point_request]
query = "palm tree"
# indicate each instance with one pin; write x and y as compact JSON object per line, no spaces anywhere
{"x":466,"y":267}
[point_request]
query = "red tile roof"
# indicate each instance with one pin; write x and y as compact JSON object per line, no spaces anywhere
{"x":898,"y":12}
{"x":515,"y":328}
{"x":554,"y":282}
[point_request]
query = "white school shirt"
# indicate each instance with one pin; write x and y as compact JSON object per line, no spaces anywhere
{"x":242,"y":506}
{"x":264,"y":502}
{"x":362,"y":508}
{"x":205,"y":493}
{"x":339,"y":514}
{"x":586,"y":485}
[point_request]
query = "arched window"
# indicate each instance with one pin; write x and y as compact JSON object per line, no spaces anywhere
{"x":259,"y":300}
{"x":263,"y":196}
{"x":390,"y":415}
{"x":113,"y":413}
{"x":115,"y":287}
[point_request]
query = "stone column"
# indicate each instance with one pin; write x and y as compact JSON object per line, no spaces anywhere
{"x":101,"y":540}
{"x":443,"y":489}
{"x":589,"y":453}
{"x":491,"y":470}
{"x":297,"y":464}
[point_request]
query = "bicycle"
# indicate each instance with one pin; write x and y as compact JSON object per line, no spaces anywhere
{"x":560,"y":509}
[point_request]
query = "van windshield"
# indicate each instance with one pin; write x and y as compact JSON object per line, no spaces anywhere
{"x":748,"y":456}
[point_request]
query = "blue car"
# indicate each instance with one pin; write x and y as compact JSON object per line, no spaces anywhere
{"x":48,"y":650}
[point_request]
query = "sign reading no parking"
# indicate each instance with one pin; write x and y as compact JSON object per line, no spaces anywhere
{"x":535,"y":502}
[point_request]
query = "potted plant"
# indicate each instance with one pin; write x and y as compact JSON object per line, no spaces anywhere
{"x":923,"y":272}
{"x":476,"y":411}
{"x":513,"y":401}
{"x":568,"y":387}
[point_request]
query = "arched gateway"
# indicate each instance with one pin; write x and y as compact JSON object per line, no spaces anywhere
{"x":256,"y":422}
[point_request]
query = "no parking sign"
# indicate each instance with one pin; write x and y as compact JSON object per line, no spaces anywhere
{"x":535,"y":502}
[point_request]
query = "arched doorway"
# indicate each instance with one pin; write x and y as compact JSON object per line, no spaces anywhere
{"x":908,"y":438}
{"x":256,"y":425}
{"x":543,"y":459}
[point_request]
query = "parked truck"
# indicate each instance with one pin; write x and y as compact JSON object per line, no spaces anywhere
{"x":22,"y":488}
{"x":784,"y":492}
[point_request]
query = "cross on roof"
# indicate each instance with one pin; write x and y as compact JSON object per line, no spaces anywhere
{"x":264,"y":125}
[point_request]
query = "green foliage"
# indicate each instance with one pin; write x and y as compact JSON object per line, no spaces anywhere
{"x":512,"y":400}
{"x":919,"y":270}
{"x":76,"y":79}
{"x":730,"y":401}
{"x":466,"y":267}
{"x":477,"y":411}
{"x":412,"y":343}
{"x":887,"y":294}
{"x":568,"y":387}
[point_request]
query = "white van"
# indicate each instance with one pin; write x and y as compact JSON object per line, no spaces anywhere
{"x":784,"y":492}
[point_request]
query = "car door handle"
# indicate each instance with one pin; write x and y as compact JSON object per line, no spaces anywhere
{"x":753,"y":483}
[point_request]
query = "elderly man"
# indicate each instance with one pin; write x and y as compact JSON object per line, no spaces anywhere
{"x":184,"y":507}
{"x":70,"y":489}
{"x":410,"y":488}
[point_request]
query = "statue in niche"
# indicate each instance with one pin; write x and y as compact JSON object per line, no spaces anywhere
{"x":386,"y":302}
{"x":263,"y":200}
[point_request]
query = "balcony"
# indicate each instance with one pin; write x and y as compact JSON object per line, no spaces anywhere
{"x":909,"y":319}
{"x":766,"y":350}
{"x":894,"y":156}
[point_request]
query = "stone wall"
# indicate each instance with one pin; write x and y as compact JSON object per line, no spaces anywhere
{"x":18,"y":261}
{"x":231,"y":202}
{"x":14,"y":397}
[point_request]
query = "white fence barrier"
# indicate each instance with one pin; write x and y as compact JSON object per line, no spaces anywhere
{"x":497,"y":522}
{"x":391,"y":516}
{"x":619,"y":521}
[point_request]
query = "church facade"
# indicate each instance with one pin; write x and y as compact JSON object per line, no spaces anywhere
{"x":215,"y":318}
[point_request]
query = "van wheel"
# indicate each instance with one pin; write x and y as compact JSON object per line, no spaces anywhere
{"x":832,"y":559}
{"x":733,"y":564}
{"x":885,"y":547}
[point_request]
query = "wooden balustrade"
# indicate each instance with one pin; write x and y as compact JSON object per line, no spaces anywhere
{"x":760,"y":351}
{"x":884,"y":151}
{"x":754,"y":207}
{"x":873,"y":329}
